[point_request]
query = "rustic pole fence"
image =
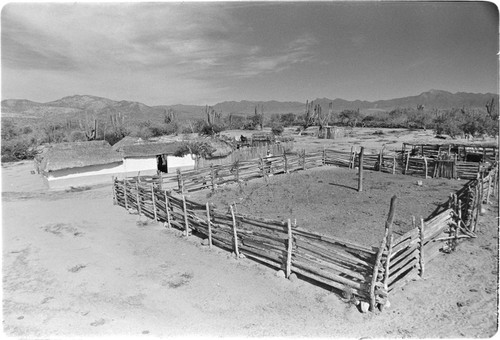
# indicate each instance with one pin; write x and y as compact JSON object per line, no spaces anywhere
{"x":289,"y":250}
{"x":137,"y":197}
{"x":154,"y":202}
{"x":235,"y":234}
{"x":388,"y":231}
{"x":421,"y":259}
{"x":167,"y":209}
{"x":186,"y":224}
{"x":360,"y":170}
{"x":209,"y":225}
{"x":125,"y":192}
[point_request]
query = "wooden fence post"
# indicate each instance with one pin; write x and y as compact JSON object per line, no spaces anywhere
{"x":360,"y":170}
{"x":285,"y":160}
{"x":421,"y":259}
{"x":407,"y":162}
{"x":495,"y":183}
{"x":154,"y":202}
{"x":235,"y":235}
{"x":481,"y":192}
{"x":125,"y":192}
{"x":489,"y":189}
{"x":186,"y":224}
{"x":289,"y":250}
{"x":393,"y":164}
{"x":425,"y":167}
{"x":167,"y":209}
{"x":351,"y":159}
{"x":115,"y":199}
{"x":323,"y":159}
{"x":180,"y":181}
{"x":209,"y":224}
{"x":388,"y":262}
{"x":380,"y":159}
{"x":137,"y":197}
{"x":388,"y":231}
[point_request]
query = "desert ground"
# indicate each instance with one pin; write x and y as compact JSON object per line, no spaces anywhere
{"x":76,"y":265}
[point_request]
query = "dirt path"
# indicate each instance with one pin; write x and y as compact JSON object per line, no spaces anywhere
{"x":74,"y":264}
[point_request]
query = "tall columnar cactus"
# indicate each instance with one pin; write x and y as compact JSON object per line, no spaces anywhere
{"x":309,"y":119}
{"x":490,"y":107}
{"x":90,"y":132}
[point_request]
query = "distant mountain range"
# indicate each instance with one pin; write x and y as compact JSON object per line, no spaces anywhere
{"x":78,"y":105}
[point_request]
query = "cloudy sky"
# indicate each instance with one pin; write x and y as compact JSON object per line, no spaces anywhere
{"x":204,"y":53}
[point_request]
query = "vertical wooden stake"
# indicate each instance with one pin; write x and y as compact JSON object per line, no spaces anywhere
{"x":154,"y":202}
{"x":186,"y":224}
{"x":460,"y":210}
{"x":388,"y":231}
{"x":167,"y":209}
{"x":489,"y":189}
{"x":425,"y":167}
{"x":125,"y":192}
{"x":495,"y":183}
{"x":388,"y":263}
{"x":285,"y":161}
{"x":115,"y":200}
{"x":380,"y":159}
{"x":289,"y":250}
{"x":421,"y":248}
{"x":209,"y":224}
{"x":323,"y":160}
{"x":393,"y":164}
{"x":407,"y":162}
{"x":235,"y":235}
{"x":137,"y":196}
{"x":351,"y":159}
{"x":360,"y":170}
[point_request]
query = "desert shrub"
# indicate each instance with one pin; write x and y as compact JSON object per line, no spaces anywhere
{"x":18,"y":149}
{"x":253,"y":122}
{"x":211,"y":129}
{"x":277,"y":129}
{"x":77,"y":136}
{"x":235,"y":121}
{"x":198,"y":148}
{"x":288,"y":119}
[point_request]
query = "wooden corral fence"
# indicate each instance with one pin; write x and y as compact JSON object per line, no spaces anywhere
{"x":245,"y":154}
{"x":340,"y":264}
{"x":368,"y":274}
{"x":281,"y":163}
{"x":407,"y":256}
{"x":461,"y":152}
{"x":217,"y":175}
{"x":404,"y":163}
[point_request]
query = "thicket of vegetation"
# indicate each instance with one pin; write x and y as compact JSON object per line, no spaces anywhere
{"x":20,"y":141}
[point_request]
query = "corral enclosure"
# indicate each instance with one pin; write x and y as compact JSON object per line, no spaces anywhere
{"x":326,"y":200}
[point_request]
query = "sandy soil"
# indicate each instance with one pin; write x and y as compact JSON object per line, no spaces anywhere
{"x":326,"y":200}
{"x":74,"y":264}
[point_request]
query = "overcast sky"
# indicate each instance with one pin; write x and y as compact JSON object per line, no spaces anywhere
{"x":204,"y":53}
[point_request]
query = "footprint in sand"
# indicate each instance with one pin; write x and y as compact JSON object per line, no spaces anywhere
{"x":99,"y":322}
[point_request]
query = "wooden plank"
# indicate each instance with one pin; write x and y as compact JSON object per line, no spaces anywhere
{"x":289,"y":251}
{"x":235,"y":235}
{"x":359,"y":273}
{"x":310,"y":267}
{"x":330,"y":253}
